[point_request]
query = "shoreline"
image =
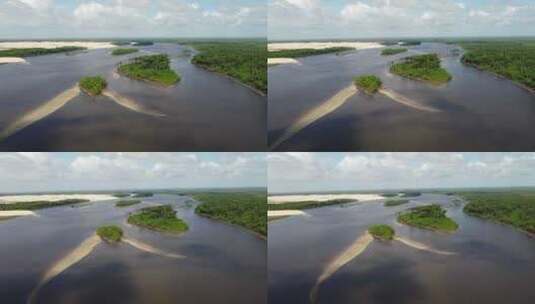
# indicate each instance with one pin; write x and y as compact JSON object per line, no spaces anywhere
{"x":282,"y":199}
{"x":256,"y":234}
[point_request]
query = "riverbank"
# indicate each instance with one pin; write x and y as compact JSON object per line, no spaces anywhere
{"x":10,"y":199}
{"x":54,"y":44}
{"x":281,"y":46}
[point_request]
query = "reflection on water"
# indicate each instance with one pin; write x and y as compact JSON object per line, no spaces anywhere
{"x":477,"y":110}
{"x":493,"y":263}
{"x":205,"y":111}
{"x":223,"y":264}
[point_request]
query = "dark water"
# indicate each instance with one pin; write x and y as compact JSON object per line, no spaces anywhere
{"x":205,"y":111}
{"x":495,"y":264}
{"x":224,"y":264}
{"x":480,"y":112}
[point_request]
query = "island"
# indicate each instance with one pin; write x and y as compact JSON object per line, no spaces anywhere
{"x":36,"y":205}
{"x":382,"y":232}
{"x":431,"y":217}
{"x":31,"y":52}
{"x":370,"y":84}
{"x":93,"y":86}
{"x":396,"y":202}
{"x":393,"y":51}
{"x":124,"y":51}
{"x":151,"y":68}
{"x":110,"y":234}
{"x":159,"y":218}
{"x":424,"y":68}
{"x":127,"y":203}
{"x":298,"y":53}
{"x":309,"y":204}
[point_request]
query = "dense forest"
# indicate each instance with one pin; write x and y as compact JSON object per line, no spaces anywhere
{"x":245,"y":61}
{"x":159,"y":218}
{"x":307,"y":52}
{"x":153,"y":68}
{"x":514,"y":60}
{"x":93,"y":86}
{"x":309,"y":204}
{"x":422,"y":67}
{"x":31,"y":52}
{"x":370,"y":84}
{"x":35,"y":205}
{"x":515,"y":209}
{"x":246,"y":209}
{"x":431,"y":217}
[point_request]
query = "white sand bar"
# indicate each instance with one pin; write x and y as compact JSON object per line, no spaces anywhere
{"x":279,"y":199}
{"x":280,"y":46}
{"x":54,"y":44}
{"x":54,"y":198}
{"x":281,"y":213}
{"x":277,"y":61}
{"x":12,"y":60}
{"x":16,"y":213}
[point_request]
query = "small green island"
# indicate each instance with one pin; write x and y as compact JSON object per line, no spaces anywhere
{"x":142,"y":194}
{"x":370,"y":84}
{"x":110,"y":234}
{"x":152,"y":68}
{"x":307,"y":52}
{"x":127,"y":203}
{"x":36,"y":205}
{"x":309,"y":204}
{"x":382,"y":232}
{"x":424,"y":68}
{"x":431,"y":217}
{"x":123,"y":51}
{"x":396,"y":202}
{"x":93,"y":85}
{"x":32,"y":52}
{"x":159,"y":218}
{"x":393,"y":51}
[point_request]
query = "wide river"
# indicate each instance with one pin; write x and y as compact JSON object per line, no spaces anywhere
{"x":223,"y":264}
{"x":204,"y":112}
{"x":494,"y":264}
{"x":478,"y":111}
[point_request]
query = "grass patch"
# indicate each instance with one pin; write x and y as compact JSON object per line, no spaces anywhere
{"x":127,"y":203}
{"x":422,"y":67}
{"x":370,"y":84}
{"x":431,"y":217}
{"x":152,"y":68}
{"x":309,"y":204}
{"x":159,"y":218}
{"x":32,"y":52}
{"x":124,"y":51}
{"x":396,"y":202}
{"x":382,"y":232}
{"x":246,"y":209}
{"x":514,"y":209}
{"x":35,"y":205}
{"x":393,"y":51}
{"x":307,"y":52}
{"x":93,"y":86}
{"x":110,"y":234}
{"x":245,"y":61}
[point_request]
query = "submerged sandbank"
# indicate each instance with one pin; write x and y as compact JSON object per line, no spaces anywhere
{"x":130,"y":104}
{"x":148,"y":248}
{"x":54,"y":198}
{"x":12,"y":60}
{"x":277,"y":61}
{"x":279,"y":199}
{"x":54,"y":44}
{"x":280,"y":46}
{"x":420,"y":246}
{"x":406,"y":101}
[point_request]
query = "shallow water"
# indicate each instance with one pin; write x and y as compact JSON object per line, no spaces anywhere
{"x":478,"y":111}
{"x":204,"y":112}
{"x":493,"y":264}
{"x":223,"y":264}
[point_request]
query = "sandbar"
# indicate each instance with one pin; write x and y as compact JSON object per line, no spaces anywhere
{"x":4,"y":60}
{"x":280,"y":46}
{"x":11,"y":199}
{"x":54,"y":44}
{"x":277,"y":61}
{"x":279,"y":199}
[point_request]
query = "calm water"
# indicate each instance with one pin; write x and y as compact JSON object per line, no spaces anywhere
{"x":495,"y":263}
{"x":224,"y":264}
{"x":480,"y":112}
{"x":205,"y":111}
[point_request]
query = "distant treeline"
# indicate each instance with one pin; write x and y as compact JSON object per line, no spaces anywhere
{"x":307,"y":52}
{"x":35,"y":205}
{"x":309,"y":204}
{"x":31,"y":52}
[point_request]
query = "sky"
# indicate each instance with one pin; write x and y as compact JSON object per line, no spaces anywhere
{"x":51,"y":172}
{"x":27,"y":19}
{"x":315,"y":19}
{"x":320,"y":172}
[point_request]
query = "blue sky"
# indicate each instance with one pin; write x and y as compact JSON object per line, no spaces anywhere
{"x":48,"y":172}
{"x":316,"y":172}
{"x":313,"y":19}
{"x":21,"y":19}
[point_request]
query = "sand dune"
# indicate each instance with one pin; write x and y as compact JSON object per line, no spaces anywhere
{"x":16,"y":213}
{"x":54,"y":44}
{"x":54,"y":197}
{"x":421,"y":246}
{"x":40,"y":112}
{"x":316,"y":113}
{"x":130,"y":104}
{"x":279,"y":46}
{"x":406,"y":101}
{"x":277,"y":61}
{"x":75,"y":256}
{"x":12,"y":60}
{"x":279,"y":199}
{"x":148,"y":248}
{"x":339,"y":261}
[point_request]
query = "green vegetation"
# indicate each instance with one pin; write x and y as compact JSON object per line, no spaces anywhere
{"x":370,"y":84}
{"x":142,"y":43}
{"x":127,"y":203}
{"x":31,"y":52}
{"x":389,"y":194}
{"x":307,"y":52}
{"x":422,"y":67}
{"x":110,"y":234}
{"x":410,"y":194}
{"x":142,"y":194}
{"x":123,"y":51}
{"x":245,"y":61}
{"x":515,"y":209}
{"x":410,"y":43}
{"x":246,"y":209}
{"x":431,"y":217}
{"x":93,"y":86}
{"x":35,"y":205}
{"x":514,"y":60}
{"x":393,"y":51}
{"x":121,"y":195}
{"x":160,"y":218}
{"x":309,"y":204}
{"x":152,"y":68}
{"x":382,"y":232}
{"x":396,"y":202}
